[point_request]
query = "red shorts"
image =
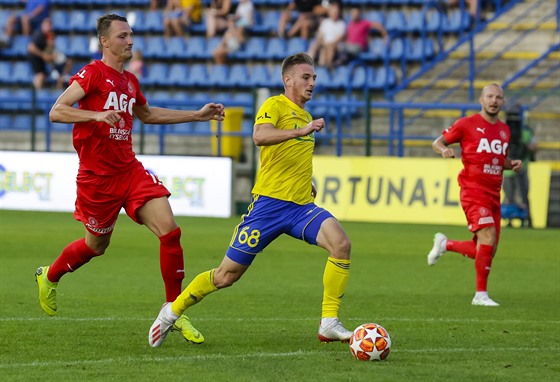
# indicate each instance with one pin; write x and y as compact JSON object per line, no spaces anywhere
{"x":481,"y":210}
{"x":100,"y":198}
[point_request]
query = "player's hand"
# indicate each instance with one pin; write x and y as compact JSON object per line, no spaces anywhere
{"x":516,"y":165}
{"x":315,"y":125}
{"x":213,"y":111}
{"x":110,"y":117}
{"x":448,"y":152}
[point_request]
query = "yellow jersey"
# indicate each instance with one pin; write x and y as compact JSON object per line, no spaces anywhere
{"x":286,"y":168}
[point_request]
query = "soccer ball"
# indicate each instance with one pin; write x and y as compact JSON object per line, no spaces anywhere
{"x":370,"y":342}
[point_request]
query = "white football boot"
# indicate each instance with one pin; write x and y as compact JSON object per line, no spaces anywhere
{"x":484,"y":300}
{"x":332,"y":330}
{"x":440,"y":241}
{"x":162,"y":325}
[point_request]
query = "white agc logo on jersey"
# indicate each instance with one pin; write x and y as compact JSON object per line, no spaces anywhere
{"x":119,"y":103}
{"x":495,"y":146}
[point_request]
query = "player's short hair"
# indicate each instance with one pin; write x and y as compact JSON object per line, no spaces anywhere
{"x":104,"y":23}
{"x":296,"y":59}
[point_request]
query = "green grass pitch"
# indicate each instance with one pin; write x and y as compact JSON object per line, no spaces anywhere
{"x":264,"y":327}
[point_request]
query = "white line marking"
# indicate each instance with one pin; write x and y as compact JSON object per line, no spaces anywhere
{"x":211,"y":357}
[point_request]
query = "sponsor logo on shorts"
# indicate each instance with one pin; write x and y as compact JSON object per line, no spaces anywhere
{"x":486,"y":220}
{"x":92,"y":225}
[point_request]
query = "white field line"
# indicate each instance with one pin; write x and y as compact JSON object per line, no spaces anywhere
{"x":380,"y":320}
{"x":212,"y":357}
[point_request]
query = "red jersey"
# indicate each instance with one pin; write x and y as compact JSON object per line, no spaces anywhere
{"x":104,"y":149}
{"x":484,"y":150}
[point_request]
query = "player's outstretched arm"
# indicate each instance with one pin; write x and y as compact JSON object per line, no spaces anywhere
{"x":63,"y":110}
{"x":267,"y":135}
{"x":159,"y":115}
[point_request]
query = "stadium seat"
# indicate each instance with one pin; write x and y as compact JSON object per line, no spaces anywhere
{"x":5,"y":121}
{"x":18,"y":48}
{"x":198,"y":75}
{"x":433,"y":21}
{"x":153,"y":22}
{"x":418,"y":49}
{"x":254,"y":49}
{"x":268,"y":23}
{"x":210,"y":46}
{"x":195,"y":47}
{"x":260,"y":76}
{"x":218,"y":76}
{"x":154,"y":47}
{"x":456,"y":21}
{"x":396,"y":49}
{"x":156,"y":74}
{"x":78,"y":46}
{"x":276,"y":48}
{"x":376,"y":51}
{"x":276,"y":77}
{"x":5,"y":73}
{"x":395,"y":22}
{"x":78,"y":21}
{"x":21,"y":122}
{"x":60,"y":22}
{"x":340,"y":78}
{"x":62,"y":44}
{"x":376,"y":16}
{"x":178,"y":75}
{"x":323,"y":76}
{"x":22,"y":73}
{"x":296,"y":45}
{"x":239,"y":76}
{"x":415,"y":21}
{"x":359,"y":77}
{"x":176,"y":48}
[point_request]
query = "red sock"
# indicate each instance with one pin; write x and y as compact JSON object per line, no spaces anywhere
{"x":482,"y":264}
{"x":465,"y":248}
{"x":171,"y":263}
{"x":72,"y":257}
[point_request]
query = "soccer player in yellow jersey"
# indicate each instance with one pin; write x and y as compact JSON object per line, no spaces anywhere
{"x":283,"y":203}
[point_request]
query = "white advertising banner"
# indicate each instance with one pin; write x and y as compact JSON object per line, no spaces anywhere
{"x":199,"y":186}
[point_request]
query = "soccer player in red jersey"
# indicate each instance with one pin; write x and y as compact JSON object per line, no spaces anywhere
{"x":484,"y":150}
{"x":110,"y":177}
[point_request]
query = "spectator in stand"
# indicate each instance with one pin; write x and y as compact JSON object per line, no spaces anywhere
{"x":305,"y":22}
{"x":332,"y":31}
{"x":357,"y":35}
{"x":236,"y":34}
{"x":179,"y":15}
{"x":45,"y":59}
{"x":216,"y":17}
{"x":157,"y":4}
{"x":27,"y":21}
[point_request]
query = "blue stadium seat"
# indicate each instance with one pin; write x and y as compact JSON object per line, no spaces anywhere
{"x":18,"y":48}
{"x":317,"y":106}
{"x":246,"y":99}
{"x":78,"y":21}
{"x":21,"y":122}
{"x":276,"y":77}
{"x":433,"y":21}
{"x":260,"y":76}
{"x":93,"y":15}
{"x":5,"y":72}
{"x":276,"y":48}
{"x":419,"y":49}
{"x":5,"y":121}
{"x":156,"y":74}
{"x":374,"y":15}
{"x":62,"y":44}
{"x":376,"y":51}
{"x":268,"y":23}
{"x":296,"y":45}
{"x":254,"y":49}
{"x":153,"y":22}
{"x":395,"y":22}
{"x":178,"y":75}
{"x":154,"y":47}
{"x":78,"y":46}
{"x":456,"y":21}
{"x":210,"y":46}
{"x":176,"y":48}
{"x":195,"y":47}
{"x":239,"y":76}
{"x":359,"y":77}
{"x":415,"y":21}
{"x":323,"y":76}
{"x":60,"y":21}
{"x":139,"y":43}
{"x":22,"y":73}
{"x":218,"y":76}
{"x":198,"y":75}
{"x":340,"y":78}
{"x":397,"y":49}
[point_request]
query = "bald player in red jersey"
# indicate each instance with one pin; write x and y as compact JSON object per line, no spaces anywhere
{"x":110,"y":177}
{"x":484,"y":143}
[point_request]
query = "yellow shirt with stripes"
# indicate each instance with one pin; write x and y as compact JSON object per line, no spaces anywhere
{"x":286,"y":168}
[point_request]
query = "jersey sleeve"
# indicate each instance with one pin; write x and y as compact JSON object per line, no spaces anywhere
{"x":454,"y":133}
{"x":87,"y":77}
{"x":140,"y":98}
{"x":268,"y":113}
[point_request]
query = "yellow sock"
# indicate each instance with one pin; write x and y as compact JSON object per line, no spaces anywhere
{"x":201,"y":286}
{"x":334,"y":284}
